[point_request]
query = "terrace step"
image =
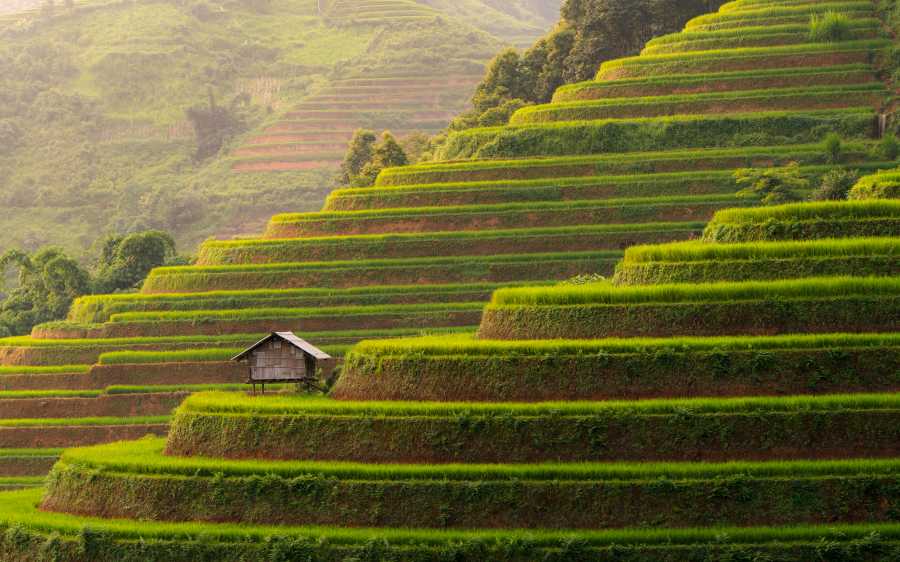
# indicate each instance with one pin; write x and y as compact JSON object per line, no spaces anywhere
{"x":813,"y":306}
{"x":681,"y":84}
{"x":231,"y":544}
{"x":563,"y":496}
{"x":751,"y":58}
{"x":657,"y":133}
{"x":17,"y":463}
{"x":771,"y":99}
{"x":552,"y":189}
{"x":221,"y":426}
{"x":463,"y":243}
{"x":502,"y":217}
{"x":384,"y":272}
{"x":615,"y":164}
{"x":478,"y":370}
{"x":819,"y":220}
{"x":706,"y":263}
{"x":111,"y":405}
{"x":72,"y":432}
{"x":102,"y":377}
{"x":272,"y":320}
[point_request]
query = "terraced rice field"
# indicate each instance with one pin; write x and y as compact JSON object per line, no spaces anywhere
{"x":729,"y":394}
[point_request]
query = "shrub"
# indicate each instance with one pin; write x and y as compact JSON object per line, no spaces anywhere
{"x":830,"y":27}
{"x":888,"y":148}
{"x":833,"y":148}
{"x":835,"y":185}
{"x":774,"y":186}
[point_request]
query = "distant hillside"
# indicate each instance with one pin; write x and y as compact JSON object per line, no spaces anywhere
{"x":93,"y":133}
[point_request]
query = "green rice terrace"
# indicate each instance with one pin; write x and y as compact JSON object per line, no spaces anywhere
{"x":574,"y":337}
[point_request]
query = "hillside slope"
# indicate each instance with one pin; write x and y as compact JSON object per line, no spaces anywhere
{"x":723,"y":398}
{"x":93,"y":129}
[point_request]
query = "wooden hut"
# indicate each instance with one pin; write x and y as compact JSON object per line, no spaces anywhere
{"x":282,"y":357}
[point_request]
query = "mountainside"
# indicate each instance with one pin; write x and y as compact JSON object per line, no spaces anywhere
{"x":718,"y":383}
{"x":93,"y":129}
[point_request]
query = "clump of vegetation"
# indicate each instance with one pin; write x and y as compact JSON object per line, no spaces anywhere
{"x":834,"y":148}
{"x":888,"y":147}
{"x":773,"y":186}
{"x":830,"y":27}
{"x":366,"y":158}
{"x":49,"y":280}
{"x":835,"y":185}
{"x":590,"y":32}
{"x":214,"y":125}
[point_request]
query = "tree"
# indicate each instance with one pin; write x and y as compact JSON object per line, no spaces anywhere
{"x":388,"y":153}
{"x":590,"y":32}
{"x":126,"y":260}
{"x":214,"y":125}
{"x":773,"y":186}
{"x":48,"y":281}
{"x":359,"y":153}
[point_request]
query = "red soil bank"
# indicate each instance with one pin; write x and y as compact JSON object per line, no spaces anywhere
{"x":149,"y":374}
{"x":112,"y":405}
{"x":75,"y":436}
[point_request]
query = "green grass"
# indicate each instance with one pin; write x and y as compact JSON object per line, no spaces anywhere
{"x":810,"y":153}
{"x":18,"y":453}
{"x":572,"y":138}
{"x":224,"y":403}
{"x":829,"y":74}
{"x":74,"y":422}
{"x":809,"y":211}
{"x":48,"y":370}
{"x":267,"y":313}
{"x":747,"y":32}
{"x":467,"y":346}
{"x":683,"y":62}
{"x":100,"y":308}
{"x":412,"y":212}
{"x":602,"y":294}
{"x":20,"y":508}
{"x":699,"y":251}
{"x":780,"y":11}
{"x":882,"y":185}
{"x":145,"y":457}
{"x":21,"y":481}
{"x":26,"y":394}
{"x":805,"y":99}
{"x":28,"y":341}
{"x":199,"y":355}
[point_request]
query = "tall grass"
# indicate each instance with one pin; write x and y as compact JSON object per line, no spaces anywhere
{"x":699,"y":251}
{"x":792,"y":152}
{"x":267,"y":313}
{"x":766,"y":12}
{"x":600,"y":294}
{"x":225,"y":403}
{"x":20,"y":508}
{"x":411,"y":212}
{"x":145,"y":457}
{"x":681,"y":103}
{"x":96,"y":421}
{"x":49,"y":370}
{"x":567,"y":92}
{"x":468,"y":346}
{"x":189,"y":356}
{"x":810,"y":211}
{"x":744,"y":52}
{"x":830,"y":26}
